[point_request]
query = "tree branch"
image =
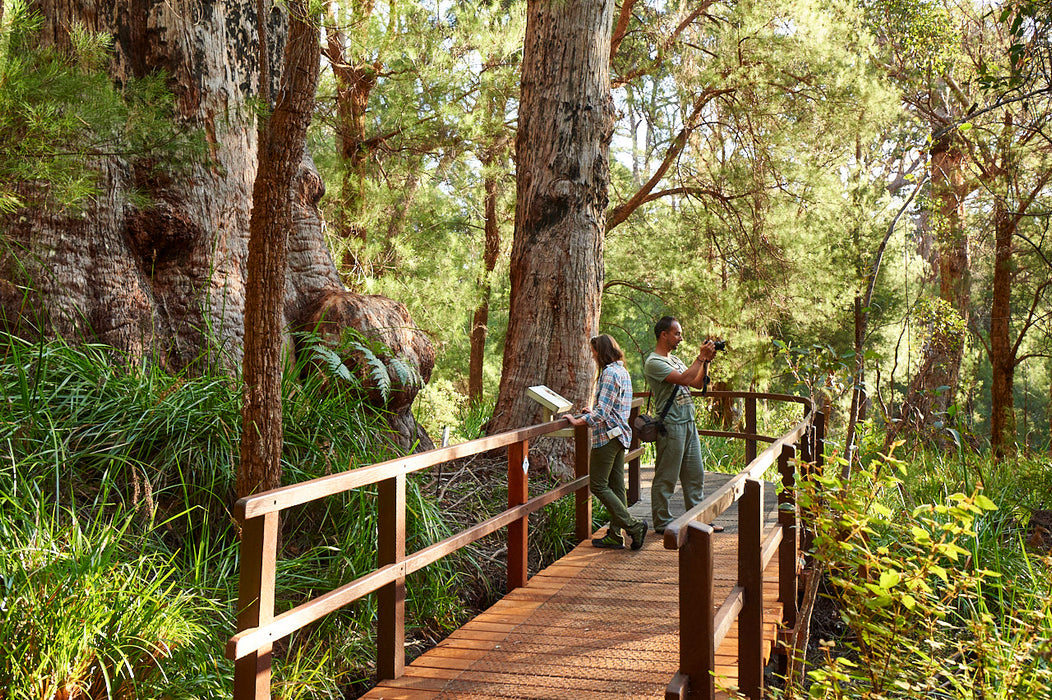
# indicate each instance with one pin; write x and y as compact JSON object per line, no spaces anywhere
{"x":622,"y":211}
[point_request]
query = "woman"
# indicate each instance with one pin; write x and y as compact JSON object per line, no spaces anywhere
{"x":611,"y":435}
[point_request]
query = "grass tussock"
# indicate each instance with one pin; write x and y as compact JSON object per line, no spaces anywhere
{"x":118,"y":575}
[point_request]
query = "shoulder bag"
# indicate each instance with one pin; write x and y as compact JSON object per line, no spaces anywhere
{"x":647,"y":428}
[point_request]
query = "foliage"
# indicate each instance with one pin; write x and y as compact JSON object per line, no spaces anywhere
{"x":85,"y":612}
{"x":376,"y":366}
{"x":944,"y":327}
{"x":60,"y":114}
{"x":129,"y":469}
{"x":940,"y":599}
{"x":820,"y":369}
{"x":754,"y":246}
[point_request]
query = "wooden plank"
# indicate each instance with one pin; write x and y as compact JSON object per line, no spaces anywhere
{"x":384,"y":693}
{"x":564,"y":635}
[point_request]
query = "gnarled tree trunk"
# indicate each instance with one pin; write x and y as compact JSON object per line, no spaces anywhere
{"x":167,"y":279}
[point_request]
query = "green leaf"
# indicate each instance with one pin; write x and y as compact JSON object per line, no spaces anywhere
{"x":984,"y":502}
{"x":889,"y":579}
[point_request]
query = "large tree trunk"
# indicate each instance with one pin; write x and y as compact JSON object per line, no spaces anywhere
{"x":933,"y":388}
{"x":167,"y":279}
{"x":566,"y":118}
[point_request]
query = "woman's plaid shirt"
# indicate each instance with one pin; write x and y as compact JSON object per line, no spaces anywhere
{"x":613,"y":404}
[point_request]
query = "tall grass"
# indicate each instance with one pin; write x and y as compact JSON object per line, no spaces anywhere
{"x":119,"y":544}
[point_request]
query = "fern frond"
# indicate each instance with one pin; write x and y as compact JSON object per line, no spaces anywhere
{"x":379,"y":373}
{"x":407,"y":374}
{"x":333,"y":362}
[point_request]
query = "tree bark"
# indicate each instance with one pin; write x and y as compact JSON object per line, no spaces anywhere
{"x":566,"y":119}
{"x":1002,"y":354}
{"x":281,"y":145}
{"x":480,"y":320}
{"x":933,"y":388}
{"x":167,"y":279}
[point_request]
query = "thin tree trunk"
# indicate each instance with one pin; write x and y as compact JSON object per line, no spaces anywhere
{"x":354,"y":83}
{"x":566,"y":120}
{"x":1002,"y":354}
{"x":480,"y":320}
{"x":281,"y":143}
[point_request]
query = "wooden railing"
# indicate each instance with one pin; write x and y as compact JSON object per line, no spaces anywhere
{"x":259,"y":628}
{"x":702,"y":631}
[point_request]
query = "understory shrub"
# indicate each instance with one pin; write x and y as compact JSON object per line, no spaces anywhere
{"x":941,"y":599}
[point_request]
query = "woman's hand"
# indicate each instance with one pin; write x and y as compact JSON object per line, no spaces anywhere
{"x":574,"y":420}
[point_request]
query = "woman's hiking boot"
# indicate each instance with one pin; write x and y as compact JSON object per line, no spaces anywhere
{"x":609,"y":541}
{"x":638,"y":534}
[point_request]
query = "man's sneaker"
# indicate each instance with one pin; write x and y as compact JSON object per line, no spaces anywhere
{"x":639,"y":535}
{"x":609,"y":541}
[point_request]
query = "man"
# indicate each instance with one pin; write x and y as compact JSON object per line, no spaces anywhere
{"x":678,"y":450}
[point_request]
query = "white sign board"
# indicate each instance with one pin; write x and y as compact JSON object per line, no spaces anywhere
{"x":549,"y":399}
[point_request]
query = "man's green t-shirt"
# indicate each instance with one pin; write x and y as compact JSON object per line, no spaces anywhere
{"x":655,"y":369}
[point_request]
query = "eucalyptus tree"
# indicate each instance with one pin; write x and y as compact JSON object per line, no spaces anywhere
{"x":155,"y":262}
{"x":282,"y":137}
{"x":920,"y":44}
{"x":565,"y":123}
{"x":1011,"y":156}
{"x":962,"y":71}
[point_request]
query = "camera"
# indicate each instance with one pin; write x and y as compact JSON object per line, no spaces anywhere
{"x":719,"y":345}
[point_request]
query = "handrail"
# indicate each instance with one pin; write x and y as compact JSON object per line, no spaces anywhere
{"x":701,"y":631}
{"x":259,"y":629}
{"x":725,"y":496}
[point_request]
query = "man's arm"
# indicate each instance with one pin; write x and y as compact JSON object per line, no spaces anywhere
{"x":695,"y":375}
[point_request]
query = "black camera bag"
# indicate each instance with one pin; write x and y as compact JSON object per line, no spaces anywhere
{"x":647,"y":428}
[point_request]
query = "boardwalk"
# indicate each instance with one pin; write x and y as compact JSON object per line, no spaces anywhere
{"x":596,"y":624}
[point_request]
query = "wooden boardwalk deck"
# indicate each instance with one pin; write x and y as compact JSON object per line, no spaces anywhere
{"x":596,"y":624}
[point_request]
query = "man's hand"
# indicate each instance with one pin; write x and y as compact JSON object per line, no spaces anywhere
{"x":707,"y":352}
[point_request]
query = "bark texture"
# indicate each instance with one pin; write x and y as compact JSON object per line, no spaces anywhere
{"x":480,"y":319}
{"x":566,"y":119}
{"x":281,"y":146}
{"x":933,"y":388}
{"x":169,"y":279}
{"x":1002,"y":352}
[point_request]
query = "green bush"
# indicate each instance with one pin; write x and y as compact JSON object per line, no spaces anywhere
{"x":88,"y":611}
{"x":148,"y":458}
{"x":941,"y":599}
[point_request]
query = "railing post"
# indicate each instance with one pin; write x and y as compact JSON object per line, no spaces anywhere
{"x":788,"y":550}
{"x":750,"y":578}
{"x":750,"y":428}
{"x":259,"y":547}
{"x":633,"y":465}
{"x":582,"y":443}
{"x":390,"y":623}
{"x":820,"y":441}
{"x":518,"y":531}
{"x":697,"y":648}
